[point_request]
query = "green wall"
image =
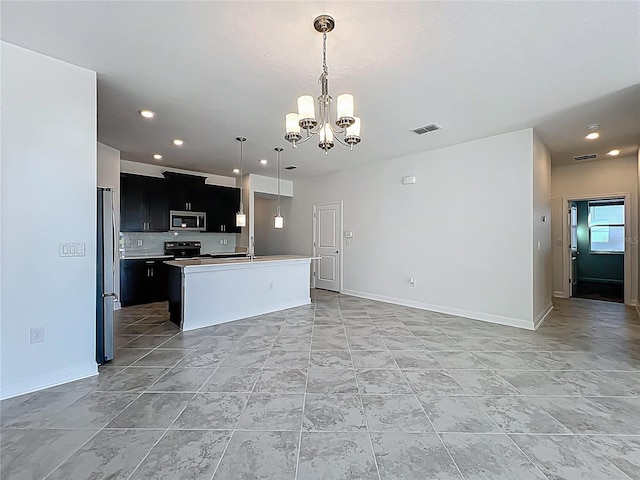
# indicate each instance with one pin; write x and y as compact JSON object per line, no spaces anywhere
{"x":593,"y":266}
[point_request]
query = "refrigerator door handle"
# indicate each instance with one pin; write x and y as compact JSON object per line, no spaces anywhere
{"x":111,"y":294}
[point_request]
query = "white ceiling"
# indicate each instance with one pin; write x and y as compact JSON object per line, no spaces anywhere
{"x":216,"y":70}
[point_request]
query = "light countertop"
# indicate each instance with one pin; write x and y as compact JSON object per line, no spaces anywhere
{"x":160,"y":256}
{"x":206,"y":262}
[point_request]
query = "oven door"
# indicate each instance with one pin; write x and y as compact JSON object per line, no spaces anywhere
{"x":187,"y":220}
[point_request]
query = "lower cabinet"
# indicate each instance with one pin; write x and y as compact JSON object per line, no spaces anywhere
{"x":143,"y":281}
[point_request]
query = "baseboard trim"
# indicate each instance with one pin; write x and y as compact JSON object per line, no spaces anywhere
{"x":485,"y":317}
{"x":542,"y":316}
{"x":638,"y":308}
{"x":49,"y":379}
{"x":559,"y":294}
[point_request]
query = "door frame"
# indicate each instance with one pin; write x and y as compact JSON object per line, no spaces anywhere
{"x":566,"y":258}
{"x":341,"y":243}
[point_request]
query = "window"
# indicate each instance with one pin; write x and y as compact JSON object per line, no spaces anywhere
{"x":606,"y":227}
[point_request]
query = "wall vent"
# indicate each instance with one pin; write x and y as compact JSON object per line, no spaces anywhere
{"x":432,"y":127}
{"x":590,"y":156}
{"x":291,"y":167}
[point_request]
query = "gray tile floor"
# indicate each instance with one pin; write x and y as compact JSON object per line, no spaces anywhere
{"x":345,"y":388}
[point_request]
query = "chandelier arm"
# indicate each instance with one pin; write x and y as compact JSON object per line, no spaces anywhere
{"x":306,"y":139}
{"x":335,"y":137}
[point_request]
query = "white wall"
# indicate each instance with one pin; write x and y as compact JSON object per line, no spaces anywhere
{"x":464,"y":231}
{"x":259,"y":184}
{"x":605,"y":177}
{"x":151,"y":170}
{"x":542,"y":251}
{"x":49,"y":191}
{"x":270,"y":240}
{"x":109,"y":177}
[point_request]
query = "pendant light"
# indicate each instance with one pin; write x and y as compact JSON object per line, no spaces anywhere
{"x":241,"y":218}
{"x":278,"y":220}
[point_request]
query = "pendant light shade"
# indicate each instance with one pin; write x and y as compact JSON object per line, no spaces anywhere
{"x":241,"y":218}
{"x":278,"y":220}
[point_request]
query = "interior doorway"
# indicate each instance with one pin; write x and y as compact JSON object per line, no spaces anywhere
{"x":597,"y":251}
{"x":327,"y":245}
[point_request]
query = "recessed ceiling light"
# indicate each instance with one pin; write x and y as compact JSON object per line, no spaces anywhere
{"x":178,"y":143}
{"x":236,"y":170}
{"x":263,"y":161}
{"x":614,"y":153}
{"x":147,"y":113}
{"x":593,"y":128}
{"x":157,"y":156}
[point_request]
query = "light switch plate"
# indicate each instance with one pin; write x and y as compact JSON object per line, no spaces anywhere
{"x":72,"y":249}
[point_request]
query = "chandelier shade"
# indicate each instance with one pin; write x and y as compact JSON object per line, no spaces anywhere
{"x":305,"y":119}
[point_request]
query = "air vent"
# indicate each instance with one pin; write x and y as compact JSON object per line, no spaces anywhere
{"x":290,"y":167}
{"x":432,"y":127}
{"x":581,"y":158}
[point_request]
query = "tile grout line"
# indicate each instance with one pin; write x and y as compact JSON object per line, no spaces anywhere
{"x":364,"y":414}
{"x":90,"y":438}
{"x":415,"y":396}
{"x":304,"y":400}
{"x":235,"y":428}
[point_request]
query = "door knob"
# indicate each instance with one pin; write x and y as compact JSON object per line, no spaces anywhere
{"x":337,"y":251}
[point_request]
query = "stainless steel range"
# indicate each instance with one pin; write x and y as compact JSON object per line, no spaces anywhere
{"x":183,"y":250}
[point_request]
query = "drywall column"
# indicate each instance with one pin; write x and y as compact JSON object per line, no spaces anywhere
{"x":542,"y":252}
{"x":464,"y":231}
{"x":48,"y":197}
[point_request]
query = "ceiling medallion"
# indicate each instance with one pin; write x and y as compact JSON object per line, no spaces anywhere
{"x":346,"y":123}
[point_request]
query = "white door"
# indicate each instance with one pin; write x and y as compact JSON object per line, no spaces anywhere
{"x":327,"y":234}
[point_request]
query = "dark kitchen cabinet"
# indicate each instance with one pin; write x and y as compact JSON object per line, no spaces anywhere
{"x":222,"y":204}
{"x":143,"y":281}
{"x":185,"y":192}
{"x":143,"y":204}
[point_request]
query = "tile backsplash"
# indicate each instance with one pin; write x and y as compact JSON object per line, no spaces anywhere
{"x":143,"y":243}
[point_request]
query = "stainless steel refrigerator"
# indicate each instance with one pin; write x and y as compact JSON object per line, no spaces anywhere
{"x":105,"y":281}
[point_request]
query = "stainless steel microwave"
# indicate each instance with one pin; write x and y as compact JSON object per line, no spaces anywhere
{"x":187,"y":220}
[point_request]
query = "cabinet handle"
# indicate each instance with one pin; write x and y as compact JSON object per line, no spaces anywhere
{"x":152,"y":272}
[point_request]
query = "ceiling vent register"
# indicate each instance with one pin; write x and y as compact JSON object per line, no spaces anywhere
{"x":581,"y":158}
{"x":432,"y":127}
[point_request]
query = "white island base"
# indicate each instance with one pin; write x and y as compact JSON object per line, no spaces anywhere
{"x":207,"y":292}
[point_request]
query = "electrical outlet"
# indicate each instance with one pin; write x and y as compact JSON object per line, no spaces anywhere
{"x":36,"y":335}
{"x":139,"y":242}
{"x":412,"y":282}
{"x":221,"y":242}
{"x":225,"y":241}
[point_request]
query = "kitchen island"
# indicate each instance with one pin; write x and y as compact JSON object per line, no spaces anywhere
{"x":210,"y":291}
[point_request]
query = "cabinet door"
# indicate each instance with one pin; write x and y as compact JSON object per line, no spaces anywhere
{"x":133,"y":282}
{"x":131,"y":204}
{"x":212,"y":207}
{"x":186,"y":192}
{"x":158,"y":286}
{"x":157,"y":212}
{"x":229,"y":205}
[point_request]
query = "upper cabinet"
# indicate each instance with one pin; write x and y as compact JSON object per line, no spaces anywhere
{"x":222,"y":203}
{"x":186,"y":192}
{"x":143,"y":204}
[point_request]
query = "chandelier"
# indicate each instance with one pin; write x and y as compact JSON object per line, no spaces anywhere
{"x":346,"y":123}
